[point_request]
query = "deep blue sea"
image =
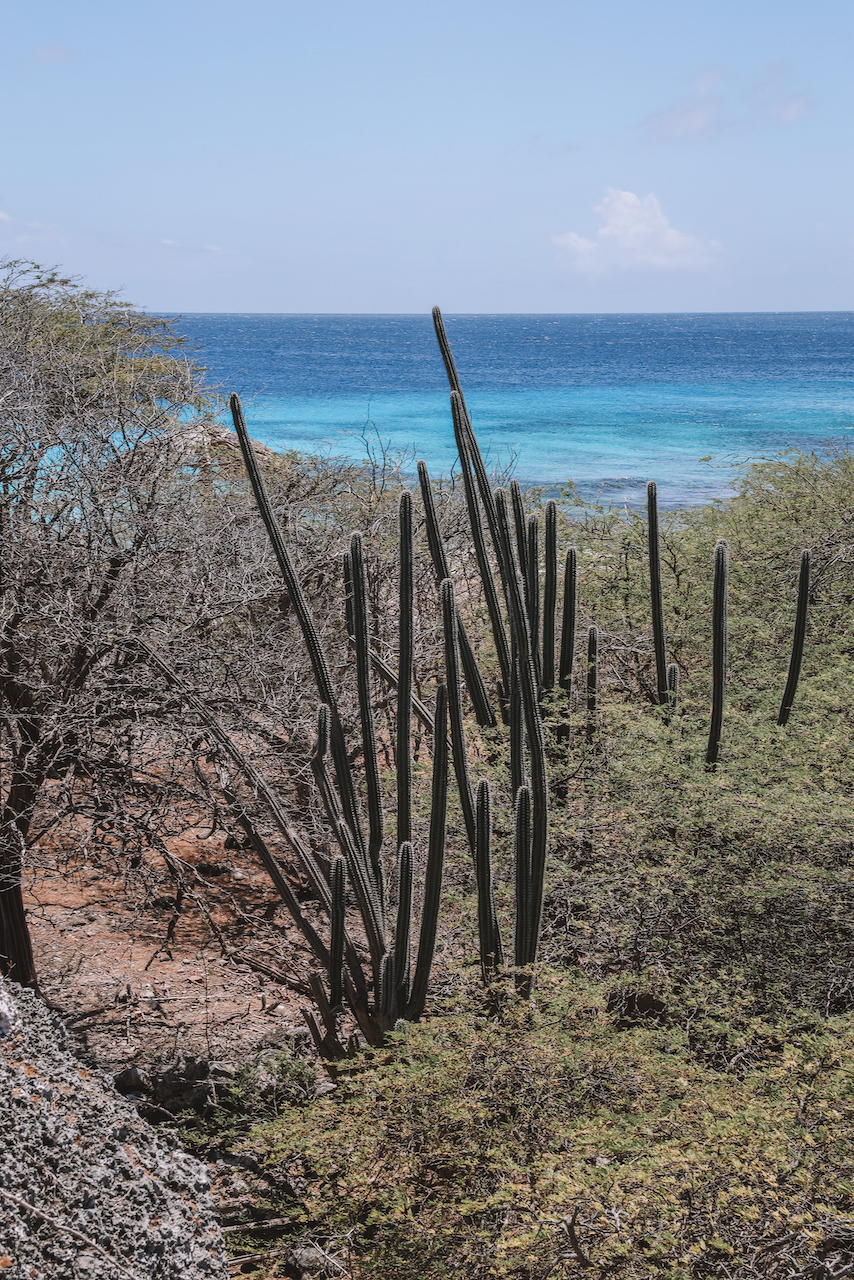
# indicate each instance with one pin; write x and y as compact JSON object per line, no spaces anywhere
{"x":610,"y":401}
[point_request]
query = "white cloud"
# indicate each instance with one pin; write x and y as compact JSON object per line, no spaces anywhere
{"x":635,"y":234}
{"x":687,"y":119}
{"x":4,"y":217}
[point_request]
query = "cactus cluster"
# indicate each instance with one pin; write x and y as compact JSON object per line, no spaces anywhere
{"x":523,"y":621}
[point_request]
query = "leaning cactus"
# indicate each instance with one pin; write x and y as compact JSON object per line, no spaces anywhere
{"x":366,"y":711}
{"x":533,"y":576}
{"x":719,"y":647}
{"x":798,"y":639}
{"x":455,"y":706}
{"x":655,"y":592}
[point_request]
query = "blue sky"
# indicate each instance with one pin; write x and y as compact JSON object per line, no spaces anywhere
{"x":384,"y":155}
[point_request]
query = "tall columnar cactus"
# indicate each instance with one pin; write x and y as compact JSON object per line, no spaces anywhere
{"x":517,"y":729}
{"x":317,"y":657}
{"x":491,"y":951}
{"x":520,"y":521}
{"x":404,"y":923}
{"x":592,"y":681}
{"x":550,"y":595}
{"x":338,"y":886}
{"x":533,"y":729}
{"x":672,"y":691}
{"x":797,"y":640}
{"x":366,"y":712}
{"x":435,"y":859}
{"x":522,"y":875}
{"x":455,"y":707}
{"x":567,"y":631}
{"x":533,"y":576}
{"x":655,"y":592}
{"x":474,"y":681}
{"x":406,"y":600}
{"x":719,"y":652}
{"x":462,"y":434}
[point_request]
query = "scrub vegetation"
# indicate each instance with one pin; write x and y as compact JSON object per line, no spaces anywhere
{"x":564,"y":822}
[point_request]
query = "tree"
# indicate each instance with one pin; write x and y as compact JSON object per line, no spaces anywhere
{"x":96,"y":404}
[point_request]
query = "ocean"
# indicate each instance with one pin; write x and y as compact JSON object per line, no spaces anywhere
{"x":608,"y":401}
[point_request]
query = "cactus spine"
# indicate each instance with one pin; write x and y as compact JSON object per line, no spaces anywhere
{"x":491,"y":951}
{"x":435,"y":859}
{"x":656,"y":598}
{"x":567,"y":631}
{"x":797,"y":640}
{"x":550,"y":595}
{"x":404,"y":674}
{"x":338,"y":885}
{"x":719,"y":647}
{"x":474,"y":681}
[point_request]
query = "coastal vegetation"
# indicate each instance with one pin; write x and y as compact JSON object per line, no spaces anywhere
{"x":623,"y":1042}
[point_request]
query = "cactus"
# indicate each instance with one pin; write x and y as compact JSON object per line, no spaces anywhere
{"x":533,"y":547}
{"x":310,"y":635}
{"x":672,"y":690}
{"x":387,"y":988}
{"x":338,"y":884}
{"x":655,"y":592}
{"x":522,"y":865}
{"x":534,"y":734}
{"x":550,"y":595}
{"x":366,"y":712}
{"x":474,"y":681}
{"x":499,"y":635}
{"x":567,"y":631}
{"x":404,"y":678}
{"x":520,"y":522}
{"x":517,"y":732}
{"x":719,"y":647}
{"x":797,"y":640}
{"x":592,"y":681}
{"x":435,"y":859}
{"x":455,"y":708}
{"x":491,"y":951}
{"x":404,"y":922}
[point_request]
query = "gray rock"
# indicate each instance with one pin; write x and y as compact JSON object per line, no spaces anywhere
{"x":88,"y":1190}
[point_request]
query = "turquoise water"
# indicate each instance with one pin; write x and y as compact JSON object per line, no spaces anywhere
{"x":608,"y":401}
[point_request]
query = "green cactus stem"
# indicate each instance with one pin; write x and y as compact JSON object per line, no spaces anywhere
{"x":672,"y":691}
{"x":489,"y":935}
{"x":550,"y":595}
{"x":404,"y":922}
{"x":386,"y":989}
{"x":317,"y":657}
{"x":797,"y":640}
{"x":592,"y":682}
{"x":455,"y":708}
{"x":534,"y":734}
{"x":533,"y":577}
{"x":435,"y":859}
{"x":338,"y":885}
{"x":719,"y":652}
{"x":517,"y":731}
{"x":656,"y":598}
{"x":520,"y":521}
{"x":567,"y":631}
{"x":366,"y":712}
{"x":474,"y":681}
{"x":499,"y":634}
{"x":522,"y":871}
{"x":406,"y":600}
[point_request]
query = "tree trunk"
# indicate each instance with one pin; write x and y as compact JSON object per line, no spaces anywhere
{"x":16,"y":952}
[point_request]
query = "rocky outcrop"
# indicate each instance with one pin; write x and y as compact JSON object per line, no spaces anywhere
{"x":87,"y":1188}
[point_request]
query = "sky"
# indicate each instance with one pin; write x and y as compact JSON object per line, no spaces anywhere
{"x":386,"y":155}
